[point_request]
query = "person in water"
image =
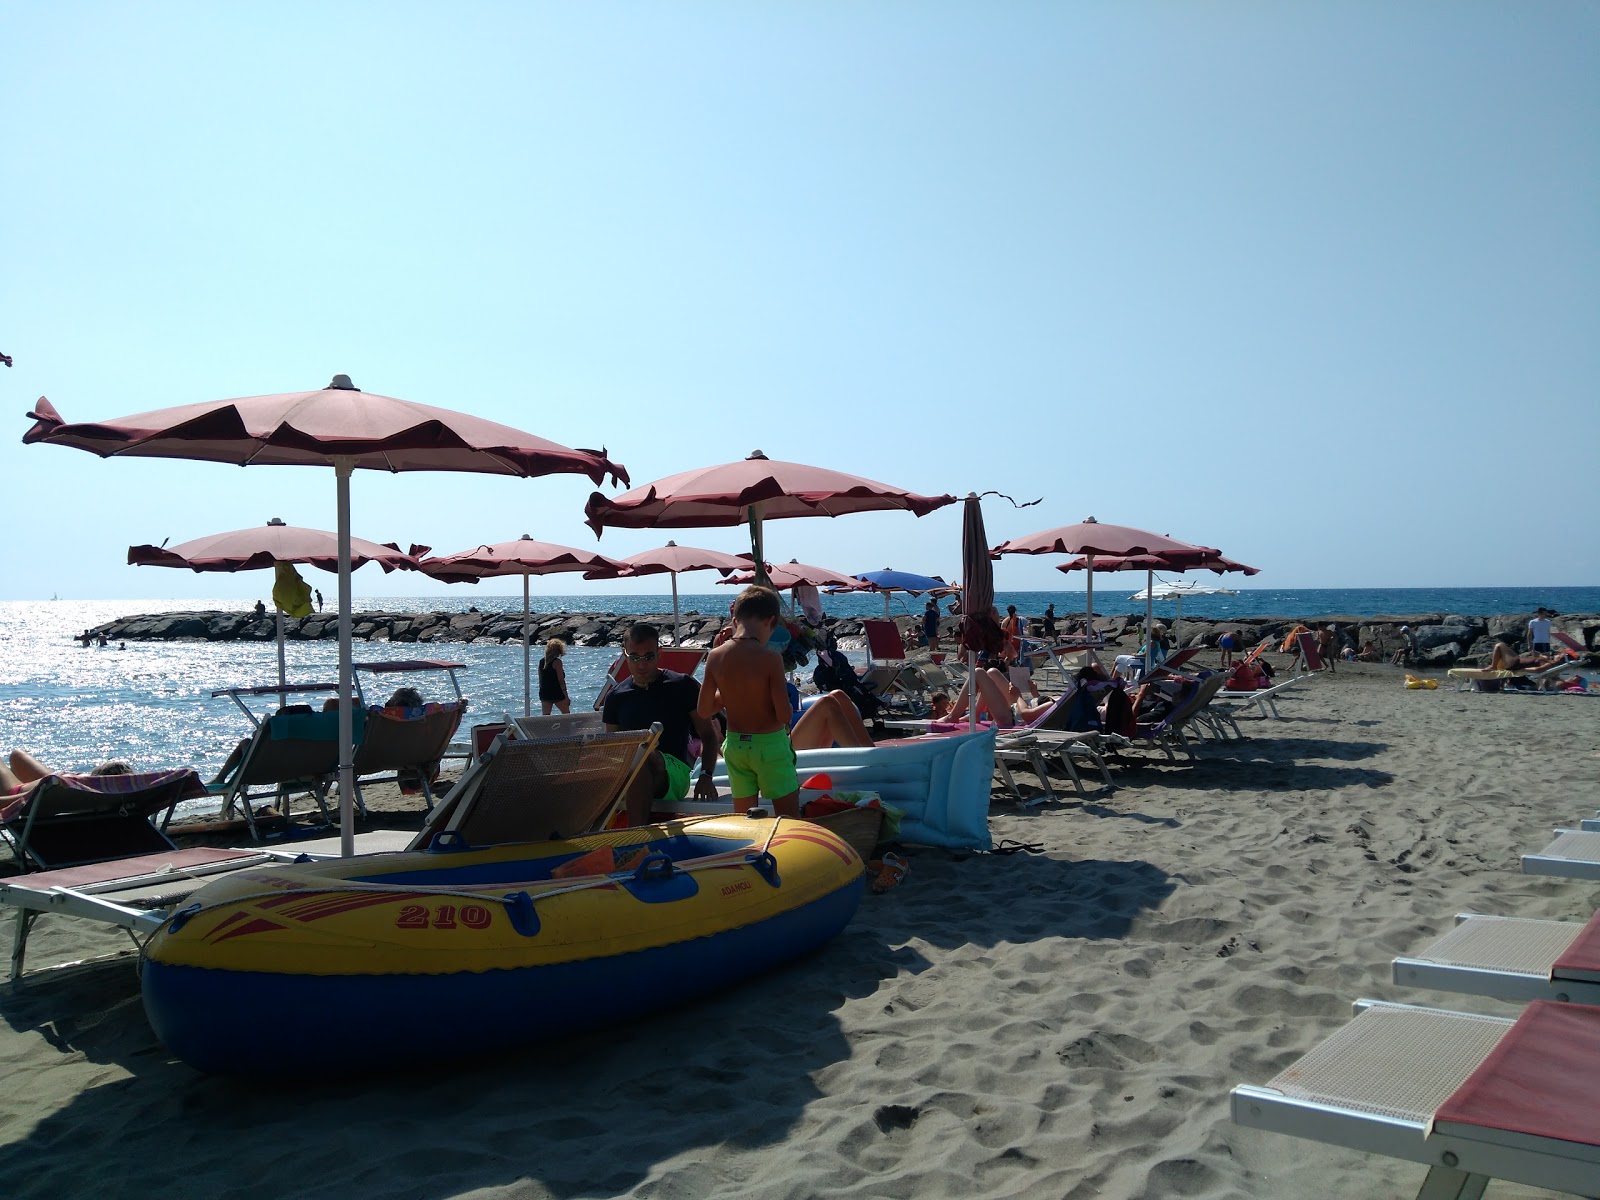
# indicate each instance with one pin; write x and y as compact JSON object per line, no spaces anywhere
{"x":553,"y":678}
{"x":744,"y":679}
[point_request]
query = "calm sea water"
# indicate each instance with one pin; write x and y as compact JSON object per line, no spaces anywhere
{"x":150,"y":704}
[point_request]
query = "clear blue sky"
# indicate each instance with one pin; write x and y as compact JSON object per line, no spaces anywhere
{"x":1318,"y":284}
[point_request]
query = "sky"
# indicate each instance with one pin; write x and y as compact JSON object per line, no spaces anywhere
{"x":1316,"y":283}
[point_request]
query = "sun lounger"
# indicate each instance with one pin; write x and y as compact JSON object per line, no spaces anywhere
{"x":1234,"y":704}
{"x":1167,"y":733}
{"x":1510,"y":958}
{"x":136,"y":894}
{"x":1575,"y":854}
{"x":399,"y":747}
{"x":289,"y":753}
{"x":65,"y":820}
{"x":1473,"y":1098}
{"x":1576,"y":648}
{"x":558,"y":725}
{"x":532,"y":789}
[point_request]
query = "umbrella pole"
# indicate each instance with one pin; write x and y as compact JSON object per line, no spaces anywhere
{"x":886,"y":616}
{"x":1149,"y":585}
{"x":342,"y":467}
{"x":283,"y":672}
{"x":972,"y":687}
{"x":753,"y":518}
{"x":677,"y":635}
{"x":527,"y":688}
{"x":1088,"y":624}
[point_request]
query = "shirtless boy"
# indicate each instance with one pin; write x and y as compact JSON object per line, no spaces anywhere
{"x":745,"y":678}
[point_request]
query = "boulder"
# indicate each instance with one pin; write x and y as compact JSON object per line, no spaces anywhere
{"x":1440,"y":655}
{"x":1429,"y":636}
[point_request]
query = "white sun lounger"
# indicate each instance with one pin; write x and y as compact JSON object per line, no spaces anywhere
{"x":1575,"y":854}
{"x":1452,"y":1091}
{"x":1510,"y":958}
{"x":1264,"y":699}
{"x":136,"y":894}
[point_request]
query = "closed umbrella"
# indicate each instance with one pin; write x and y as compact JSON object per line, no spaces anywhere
{"x":264,"y":546}
{"x":527,"y":558}
{"x":341,"y":427}
{"x":977,"y":594}
{"x":750,"y":491}
{"x":676,"y":560}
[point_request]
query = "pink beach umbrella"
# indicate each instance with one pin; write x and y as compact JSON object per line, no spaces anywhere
{"x":263,"y":546}
{"x":784,"y":576}
{"x":1093,"y":539}
{"x":338,"y":426}
{"x":676,"y":560}
{"x":527,"y":558}
{"x":750,"y":491}
{"x":1150,"y":564}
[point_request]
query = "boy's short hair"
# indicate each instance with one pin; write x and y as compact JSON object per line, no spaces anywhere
{"x":757,"y":603}
{"x":643,"y":631}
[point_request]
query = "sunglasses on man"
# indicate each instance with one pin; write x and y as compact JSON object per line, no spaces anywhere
{"x":647,"y":656}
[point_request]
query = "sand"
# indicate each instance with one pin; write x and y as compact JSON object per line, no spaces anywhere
{"x":1061,"y":1024}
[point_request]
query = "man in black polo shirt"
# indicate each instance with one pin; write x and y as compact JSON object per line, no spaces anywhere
{"x":650,"y":694}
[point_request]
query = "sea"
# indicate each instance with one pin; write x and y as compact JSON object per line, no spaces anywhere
{"x":150,"y":704}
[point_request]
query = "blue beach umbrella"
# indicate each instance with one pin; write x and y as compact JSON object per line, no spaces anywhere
{"x":889,"y":580}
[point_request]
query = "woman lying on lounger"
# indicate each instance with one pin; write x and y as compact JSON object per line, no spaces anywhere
{"x":1000,"y":699}
{"x":1506,"y":659}
{"x":25,"y":770}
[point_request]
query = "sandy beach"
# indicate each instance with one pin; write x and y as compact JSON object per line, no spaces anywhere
{"x":1064,"y":1023}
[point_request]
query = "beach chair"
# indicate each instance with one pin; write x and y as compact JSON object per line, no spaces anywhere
{"x":402,"y":748}
{"x":1167,"y":733}
{"x":136,"y":894}
{"x":70,"y":819}
{"x":1510,"y":958}
{"x":289,"y":753}
{"x":1308,"y":658}
{"x":889,"y":672}
{"x":1473,"y":1098}
{"x":668,"y":658}
{"x":1575,"y":854}
{"x":1483,"y":679}
{"x":1230,"y":705}
{"x":557,"y":725}
{"x":1573,"y":646}
{"x":534,"y":789}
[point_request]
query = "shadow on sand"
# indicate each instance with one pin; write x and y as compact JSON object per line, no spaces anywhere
{"x":592,"y":1114}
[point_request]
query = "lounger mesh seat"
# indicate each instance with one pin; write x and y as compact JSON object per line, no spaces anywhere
{"x":533,"y":789}
{"x":1575,"y":854}
{"x":1393,"y":1061}
{"x":405,"y":749}
{"x":1510,"y":958}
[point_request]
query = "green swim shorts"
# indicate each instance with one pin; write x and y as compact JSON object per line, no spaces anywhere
{"x":677,"y":778}
{"x":760,"y":764}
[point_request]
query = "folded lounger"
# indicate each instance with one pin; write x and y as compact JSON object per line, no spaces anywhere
{"x":1575,"y":854}
{"x":1510,"y":958}
{"x":1473,"y":1098}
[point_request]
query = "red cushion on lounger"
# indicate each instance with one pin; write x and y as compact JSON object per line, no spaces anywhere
{"x":1582,"y":958}
{"x":1541,"y":1079}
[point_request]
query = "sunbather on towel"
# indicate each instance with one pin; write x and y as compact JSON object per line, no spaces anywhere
{"x":24,"y":770}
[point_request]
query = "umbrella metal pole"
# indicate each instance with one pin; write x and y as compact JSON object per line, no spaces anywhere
{"x":1149,"y":587}
{"x":677,"y":634}
{"x":972,"y":689}
{"x":342,"y":467}
{"x":1088,"y":624}
{"x":753,"y":518}
{"x":527,"y":688}
{"x":886,"y":616}
{"x":283,"y":672}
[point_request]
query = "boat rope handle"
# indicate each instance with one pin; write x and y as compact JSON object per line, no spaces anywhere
{"x":758,"y":861}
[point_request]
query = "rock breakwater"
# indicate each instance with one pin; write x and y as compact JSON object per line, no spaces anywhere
{"x":1442,"y":638}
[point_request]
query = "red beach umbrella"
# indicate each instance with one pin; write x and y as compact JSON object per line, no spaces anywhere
{"x":341,"y":427}
{"x":263,"y":546}
{"x":753,"y":490}
{"x":1093,"y":539}
{"x":676,"y":560}
{"x":527,"y":558}
{"x":1150,"y":564}
{"x":783,"y":576}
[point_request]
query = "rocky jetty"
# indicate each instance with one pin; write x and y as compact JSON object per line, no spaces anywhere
{"x":1442,"y":638}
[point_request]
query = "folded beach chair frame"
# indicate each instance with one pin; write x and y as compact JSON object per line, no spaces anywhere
{"x":1380,"y":1083}
{"x":535,"y":789}
{"x":136,"y":894}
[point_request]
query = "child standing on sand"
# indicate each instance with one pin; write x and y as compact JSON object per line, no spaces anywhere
{"x":745,"y":679}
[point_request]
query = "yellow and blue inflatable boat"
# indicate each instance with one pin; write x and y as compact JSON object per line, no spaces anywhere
{"x":449,"y":953}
